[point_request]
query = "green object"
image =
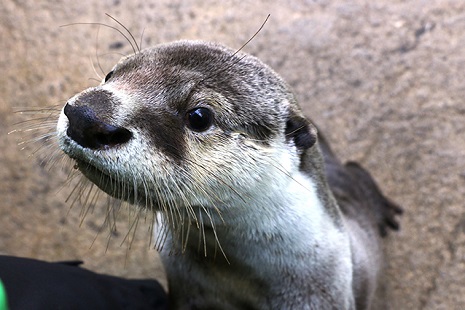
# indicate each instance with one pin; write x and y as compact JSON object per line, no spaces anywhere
{"x":3,"y":299}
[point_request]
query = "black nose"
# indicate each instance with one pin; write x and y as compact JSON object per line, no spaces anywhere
{"x":89,"y":132}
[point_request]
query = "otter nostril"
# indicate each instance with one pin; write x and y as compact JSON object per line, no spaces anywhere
{"x":108,"y":135}
{"x":90,"y":132}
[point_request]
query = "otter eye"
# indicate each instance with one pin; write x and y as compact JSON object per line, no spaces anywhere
{"x":199,"y":119}
{"x":109,"y":75}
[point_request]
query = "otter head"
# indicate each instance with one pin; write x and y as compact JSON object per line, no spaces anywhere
{"x":186,"y":124}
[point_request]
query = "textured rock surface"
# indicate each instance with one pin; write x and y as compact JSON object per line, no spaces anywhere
{"x":383,"y":80}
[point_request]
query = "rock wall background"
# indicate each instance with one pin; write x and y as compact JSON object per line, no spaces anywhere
{"x":384,"y":80}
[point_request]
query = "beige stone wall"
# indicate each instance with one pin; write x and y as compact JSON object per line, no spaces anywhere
{"x":383,"y":79}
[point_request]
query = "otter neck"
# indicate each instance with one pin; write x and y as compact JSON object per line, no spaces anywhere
{"x":277,"y":212}
{"x":284,"y":236}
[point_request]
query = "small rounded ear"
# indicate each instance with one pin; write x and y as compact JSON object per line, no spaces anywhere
{"x":301,"y":131}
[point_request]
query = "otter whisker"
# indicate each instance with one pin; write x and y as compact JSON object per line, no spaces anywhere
{"x":38,"y":134}
{"x":36,"y":124}
{"x":149,"y":211}
{"x":163,"y":234}
{"x":98,"y":58}
{"x":189,"y":208}
{"x":132,"y":228}
{"x":163,"y":208}
{"x":202,"y":236}
{"x":77,"y":190}
{"x":107,"y":26}
{"x":50,"y":159}
{"x":222,"y":181}
{"x":107,"y":223}
{"x":173,"y":198}
{"x":217,"y":72}
{"x":44,"y":139}
{"x":135,"y":189}
{"x":148,"y":206}
{"x":183,"y":197}
{"x":127,"y":30}
{"x":84,"y":198}
{"x":140,"y":39}
{"x":134,"y":219}
{"x":281,"y":168}
{"x":113,"y":207}
{"x":217,"y":242}
{"x":88,"y":202}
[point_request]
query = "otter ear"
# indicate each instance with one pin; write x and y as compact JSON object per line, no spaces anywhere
{"x":301,"y":131}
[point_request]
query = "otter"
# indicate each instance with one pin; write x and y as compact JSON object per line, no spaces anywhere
{"x":254,"y":209}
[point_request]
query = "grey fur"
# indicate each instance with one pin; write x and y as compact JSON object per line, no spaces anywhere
{"x":230,"y":198}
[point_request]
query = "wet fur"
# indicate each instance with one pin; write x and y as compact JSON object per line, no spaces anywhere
{"x":256,"y":212}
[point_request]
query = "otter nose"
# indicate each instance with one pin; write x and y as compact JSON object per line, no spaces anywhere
{"x":89,"y":132}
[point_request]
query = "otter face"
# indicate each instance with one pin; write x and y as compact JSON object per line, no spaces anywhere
{"x":186,"y":124}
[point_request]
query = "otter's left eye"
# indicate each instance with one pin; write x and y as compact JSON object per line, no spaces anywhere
{"x":108,"y":76}
{"x":199,"y":119}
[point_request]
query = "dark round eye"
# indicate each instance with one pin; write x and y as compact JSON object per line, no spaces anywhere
{"x":108,"y":76}
{"x":199,"y":119}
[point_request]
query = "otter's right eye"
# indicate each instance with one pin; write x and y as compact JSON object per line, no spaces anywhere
{"x":109,"y":75}
{"x":199,"y":119}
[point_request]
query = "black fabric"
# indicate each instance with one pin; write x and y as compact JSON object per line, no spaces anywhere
{"x":34,"y":284}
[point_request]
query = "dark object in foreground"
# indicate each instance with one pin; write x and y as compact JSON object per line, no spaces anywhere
{"x":33,"y":284}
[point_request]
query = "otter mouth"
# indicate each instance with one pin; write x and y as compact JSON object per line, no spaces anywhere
{"x":114,"y":187}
